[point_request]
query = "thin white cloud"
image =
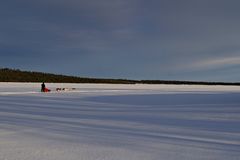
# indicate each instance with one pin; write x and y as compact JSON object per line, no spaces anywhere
{"x":215,"y":63}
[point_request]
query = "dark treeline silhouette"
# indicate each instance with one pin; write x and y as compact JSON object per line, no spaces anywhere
{"x":188,"y":82}
{"x":15,"y":75}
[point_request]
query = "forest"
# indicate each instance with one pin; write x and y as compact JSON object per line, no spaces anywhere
{"x":16,"y":75}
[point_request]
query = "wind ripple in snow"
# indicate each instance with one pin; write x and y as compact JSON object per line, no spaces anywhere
{"x":124,"y":126}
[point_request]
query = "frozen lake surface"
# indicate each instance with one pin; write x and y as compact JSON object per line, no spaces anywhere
{"x":119,"y":122}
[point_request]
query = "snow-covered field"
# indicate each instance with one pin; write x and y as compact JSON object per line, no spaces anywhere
{"x":119,"y":122}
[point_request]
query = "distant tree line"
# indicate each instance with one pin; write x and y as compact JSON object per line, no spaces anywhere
{"x":188,"y":82}
{"x":16,"y":75}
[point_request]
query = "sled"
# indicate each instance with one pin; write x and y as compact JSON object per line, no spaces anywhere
{"x":46,"y":90}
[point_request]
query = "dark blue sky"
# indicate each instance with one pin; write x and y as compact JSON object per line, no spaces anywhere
{"x":135,"y":39}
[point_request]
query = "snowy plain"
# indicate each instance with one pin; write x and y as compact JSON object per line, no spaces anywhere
{"x":119,"y":122}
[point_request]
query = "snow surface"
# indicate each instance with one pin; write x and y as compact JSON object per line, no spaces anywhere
{"x":119,"y":122}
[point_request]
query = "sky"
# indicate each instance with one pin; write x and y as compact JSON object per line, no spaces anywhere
{"x":134,"y":39}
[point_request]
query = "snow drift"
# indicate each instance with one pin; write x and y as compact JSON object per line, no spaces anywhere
{"x":120,"y":122}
